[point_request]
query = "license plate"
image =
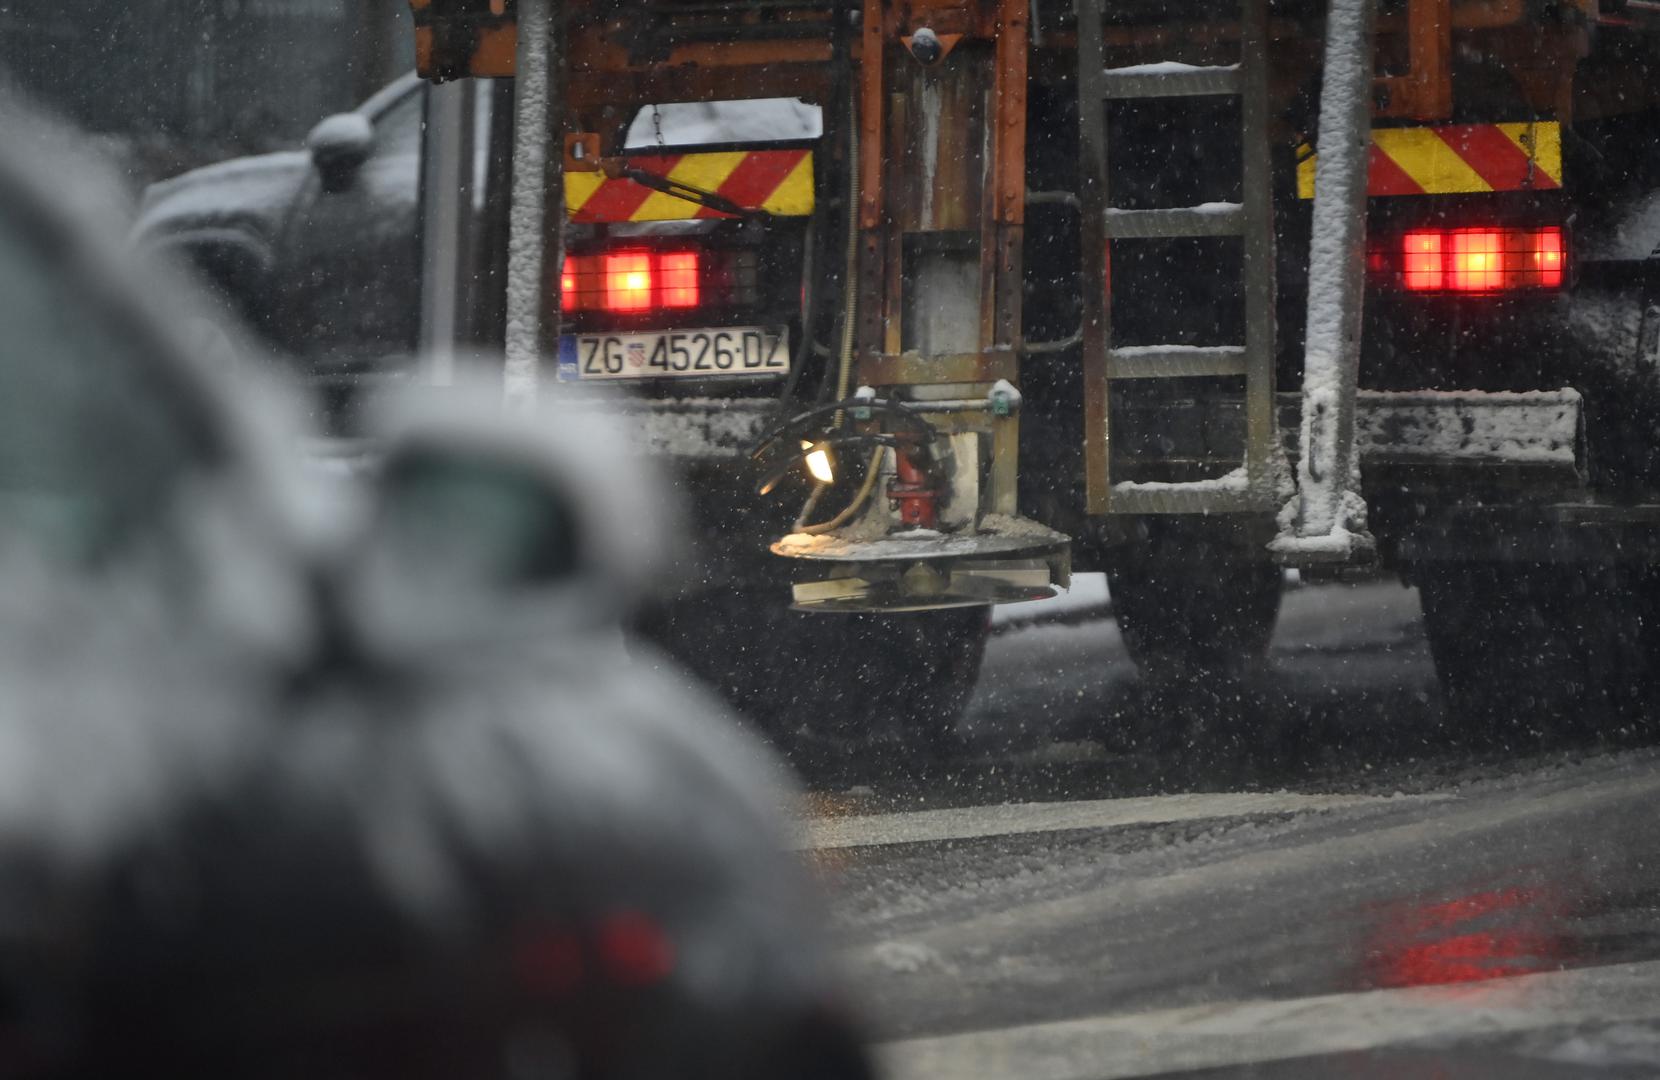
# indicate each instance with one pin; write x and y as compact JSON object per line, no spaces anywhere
{"x":675,"y":354}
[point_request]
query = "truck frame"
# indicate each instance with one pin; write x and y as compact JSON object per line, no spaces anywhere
{"x":1186,"y":293}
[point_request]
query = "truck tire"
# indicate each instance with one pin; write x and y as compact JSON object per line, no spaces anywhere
{"x":1182,"y":618}
{"x":828,"y":688}
{"x":1532,"y":651}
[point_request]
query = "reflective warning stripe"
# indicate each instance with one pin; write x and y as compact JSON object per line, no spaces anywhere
{"x":777,"y":181}
{"x":1456,"y":158}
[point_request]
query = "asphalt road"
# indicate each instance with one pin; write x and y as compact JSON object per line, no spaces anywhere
{"x":1317,"y":872}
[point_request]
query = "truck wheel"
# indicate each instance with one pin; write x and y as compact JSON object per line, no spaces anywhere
{"x":1535,"y":650}
{"x":1197,"y":616}
{"x":832,"y":686}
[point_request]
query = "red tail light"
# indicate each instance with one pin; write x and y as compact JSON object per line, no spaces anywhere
{"x":1479,"y":260}
{"x":628,"y":285}
{"x":677,"y":273}
{"x":631,"y":282}
{"x":1423,"y":260}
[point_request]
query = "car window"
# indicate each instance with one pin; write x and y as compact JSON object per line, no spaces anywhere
{"x":398,"y":129}
{"x":93,"y":437}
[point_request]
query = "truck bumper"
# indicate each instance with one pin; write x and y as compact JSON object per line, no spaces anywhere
{"x":1493,"y":478}
{"x":1447,"y":472}
{"x":697,"y":429}
{"x":1537,"y":431}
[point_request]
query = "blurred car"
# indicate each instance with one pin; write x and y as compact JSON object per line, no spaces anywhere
{"x":126,"y":465}
{"x":350,"y":787}
{"x":315,"y":249}
{"x":319,"y":251}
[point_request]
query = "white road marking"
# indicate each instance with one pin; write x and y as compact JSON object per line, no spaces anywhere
{"x":1014,"y":819}
{"x":1240,"y":1033}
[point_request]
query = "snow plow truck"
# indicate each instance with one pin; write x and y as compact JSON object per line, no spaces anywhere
{"x":1189,"y":293}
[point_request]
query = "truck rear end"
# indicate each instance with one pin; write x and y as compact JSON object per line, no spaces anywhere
{"x":1188,"y":296}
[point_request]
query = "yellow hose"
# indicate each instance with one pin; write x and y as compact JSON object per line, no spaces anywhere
{"x":872,"y":471}
{"x":850,"y":308}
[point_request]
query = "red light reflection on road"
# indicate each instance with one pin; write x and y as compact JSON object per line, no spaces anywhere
{"x":1486,"y":935}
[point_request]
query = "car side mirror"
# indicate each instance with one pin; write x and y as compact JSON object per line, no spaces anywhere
{"x":339,"y":145}
{"x":486,"y":522}
{"x":464,"y":545}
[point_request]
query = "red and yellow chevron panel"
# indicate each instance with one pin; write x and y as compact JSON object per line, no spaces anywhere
{"x":1451,"y":159}
{"x":777,"y":181}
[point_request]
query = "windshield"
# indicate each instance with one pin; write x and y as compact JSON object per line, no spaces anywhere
{"x":96,"y":438}
{"x":1173,"y":489}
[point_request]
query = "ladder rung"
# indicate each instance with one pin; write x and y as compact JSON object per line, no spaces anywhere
{"x":1207,"y":219}
{"x":1199,"y":497}
{"x":1169,"y":80}
{"x":1174,"y":361}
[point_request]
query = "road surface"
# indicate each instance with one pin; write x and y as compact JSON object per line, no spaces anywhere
{"x":1315,"y":873}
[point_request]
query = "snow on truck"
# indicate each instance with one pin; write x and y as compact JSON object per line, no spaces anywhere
{"x":1185,"y":292}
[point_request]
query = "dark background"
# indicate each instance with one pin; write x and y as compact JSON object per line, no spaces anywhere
{"x":172,"y":84}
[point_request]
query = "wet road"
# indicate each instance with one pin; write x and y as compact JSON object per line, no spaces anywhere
{"x":1316,"y":873}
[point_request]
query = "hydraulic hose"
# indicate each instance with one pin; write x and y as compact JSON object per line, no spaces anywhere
{"x":873,"y":470}
{"x":819,"y":226}
{"x":850,"y":314}
{"x":850,"y":286}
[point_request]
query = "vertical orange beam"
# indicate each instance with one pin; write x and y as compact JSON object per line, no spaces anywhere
{"x":872,"y":158}
{"x":1006,"y":228}
{"x":1011,"y":112}
{"x":1431,"y":50}
{"x":1092,"y":235}
{"x":1425,"y":91}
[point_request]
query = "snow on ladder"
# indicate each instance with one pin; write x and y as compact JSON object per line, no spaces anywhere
{"x":1254,"y":488}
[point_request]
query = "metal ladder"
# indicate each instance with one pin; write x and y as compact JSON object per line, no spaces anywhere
{"x":1251,"y":219}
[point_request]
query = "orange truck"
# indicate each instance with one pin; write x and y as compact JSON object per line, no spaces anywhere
{"x":1188,"y":293}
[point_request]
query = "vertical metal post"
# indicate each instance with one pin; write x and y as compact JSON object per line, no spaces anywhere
{"x":1261,"y":428}
{"x":448,"y":150}
{"x":1092,"y":195}
{"x":1337,"y":268}
{"x":535,"y":238}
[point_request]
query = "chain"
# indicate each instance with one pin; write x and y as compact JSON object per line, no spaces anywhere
{"x":657,"y":125}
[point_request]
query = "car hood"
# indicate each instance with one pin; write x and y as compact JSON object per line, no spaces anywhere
{"x":248,"y":192}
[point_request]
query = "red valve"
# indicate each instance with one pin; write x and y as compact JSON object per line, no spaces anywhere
{"x":913,"y":490}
